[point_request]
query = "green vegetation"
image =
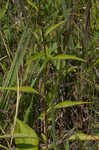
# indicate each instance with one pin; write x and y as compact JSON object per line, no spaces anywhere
{"x":49,"y":75}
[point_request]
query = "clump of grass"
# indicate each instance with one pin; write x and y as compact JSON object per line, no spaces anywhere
{"x":49,"y":74}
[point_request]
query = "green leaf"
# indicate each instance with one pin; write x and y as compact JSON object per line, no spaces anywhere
{"x":69,"y":104}
{"x":26,"y":143}
{"x":64,"y":8}
{"x":53,"y":27}
{"x":17,"y":60}
{"x":97,"y":61}
{"x":73,"y":68}
{"x":7,"y":136}
{"x":3,"y":11}
{"x":97,"y":87}
{"x":37,"y":56}
{"x":3,"y":147}
{"x":15,"y":66}
{"x":96,"y":125}
{"x":67,"y":57}
{"x":66,"y":144}
{"x":84,"y":137}
{"x":32,"y":4}
{"x":2,"y":58}
{"x":26,"y":89}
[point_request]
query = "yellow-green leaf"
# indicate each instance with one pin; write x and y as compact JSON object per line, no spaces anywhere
{"x":16,"y":135}
{"x":97,"y":61}
{"x":53,"y":27}
{"x":26,"y":89}
{"x":32,"y":4}
{"x":36,"y":56}
{"x":67,"y":57}
{"x":69,"y":104}
{"x":25,"y":143}
{"x":83,"y":137}
{"x":3,"y":11}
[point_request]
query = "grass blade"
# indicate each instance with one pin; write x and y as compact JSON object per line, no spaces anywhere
{"x":16,"y":64}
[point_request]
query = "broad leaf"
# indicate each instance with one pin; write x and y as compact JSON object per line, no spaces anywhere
{"x":26,"y":143}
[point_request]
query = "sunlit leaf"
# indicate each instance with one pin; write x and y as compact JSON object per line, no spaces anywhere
{"x":26,"y":143}
{"x":83,"y":137}
{"x":69,"y":104}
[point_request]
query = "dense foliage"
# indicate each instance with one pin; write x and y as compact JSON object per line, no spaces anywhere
{"x":49,"y":75}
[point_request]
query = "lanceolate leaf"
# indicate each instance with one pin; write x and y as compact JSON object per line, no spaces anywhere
{"x":69,"y":104}
{"x":25,"y":143}
{"x":84,"y":137}
{"x":26,"y":89}
{"x":53,"y":27}
{"x":67,"y":57}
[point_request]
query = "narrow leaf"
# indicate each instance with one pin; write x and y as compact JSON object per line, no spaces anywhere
{"x":11,"y":76}
{"x":67,"y":57}
{"x":3,"y":147}
{"x":69,"y":104}
{"x":2,"y":58}
{"x":26,"y":89}
{"x":37,"y":56}
{"x":53,"y":27}
{"x":84,"y":137}
{"x":7,"y":136}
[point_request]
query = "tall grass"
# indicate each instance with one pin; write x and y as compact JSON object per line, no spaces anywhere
{"x":49,"y":74}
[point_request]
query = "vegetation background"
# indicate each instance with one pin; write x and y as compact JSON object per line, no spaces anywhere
{"x":49,"y":74}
